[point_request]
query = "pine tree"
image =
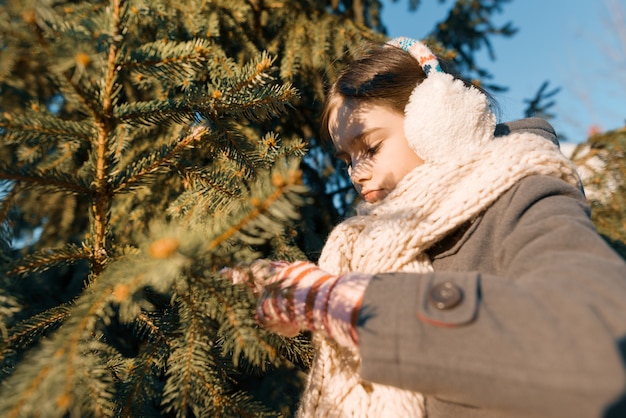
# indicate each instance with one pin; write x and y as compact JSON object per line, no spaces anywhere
{"x":141,"y":153}
{"x":145,"y":145}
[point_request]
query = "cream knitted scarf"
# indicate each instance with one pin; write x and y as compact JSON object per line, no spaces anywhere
{"x":391,"y":236}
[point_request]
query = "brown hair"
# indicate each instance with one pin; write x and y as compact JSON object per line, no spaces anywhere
{"x":383,"y":75}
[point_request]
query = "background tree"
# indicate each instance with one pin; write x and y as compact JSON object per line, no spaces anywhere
{"x":540,"y":105}
{"x":602,"y":163}
{"x":601,"y":159}
{"x":145,"y":145}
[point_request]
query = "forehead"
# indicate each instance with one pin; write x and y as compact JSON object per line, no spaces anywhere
{"x":348,"y":119}
{"x":352,"y":119}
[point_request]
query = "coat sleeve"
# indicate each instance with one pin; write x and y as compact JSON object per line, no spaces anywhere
{"x":526,"y":315}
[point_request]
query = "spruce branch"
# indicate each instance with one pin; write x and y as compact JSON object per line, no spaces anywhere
{"x":138,"y":379}
{"x":250,"y":94}
{"x":290,"y":63}
{"x":27,"y":332}
{"x":99,"y":396}
{"x":240,"y":336}
{"x":277,"y":206}
{"x":53,"y":370}
{"x":255,"y":103}
{"x":83,"y":94}
{"x":52,"y":180}
{"x":8,"y":198}
{"x":58,"y":365}
{"x":43,"y":129}
{"x":47,"y":258}
{"x":9,"y":307}
{"x":173,"y":63}
{"x":156,"y":161}
{"x":181,"y":382}
{"x":256,"y":72}
{"x":208,"y":191}
{"x":161,"y":111}
{"x":238,"y":149}
{"x":49,"y":27}
{"x":215,"y":180}
{"x":100,"y":203}
{"x":197,"y":369}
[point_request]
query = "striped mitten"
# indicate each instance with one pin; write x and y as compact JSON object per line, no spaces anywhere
{"x":301,"y":296}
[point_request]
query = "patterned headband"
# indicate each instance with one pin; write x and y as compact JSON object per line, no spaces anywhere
{"x":427,"y":60}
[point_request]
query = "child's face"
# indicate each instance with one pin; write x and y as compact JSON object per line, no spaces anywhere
{"x":371,"y":140}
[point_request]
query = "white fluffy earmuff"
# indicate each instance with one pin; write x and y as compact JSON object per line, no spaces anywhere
{"x":444,"y":118}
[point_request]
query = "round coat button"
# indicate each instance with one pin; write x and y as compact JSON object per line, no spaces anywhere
{"x":445,"y":295}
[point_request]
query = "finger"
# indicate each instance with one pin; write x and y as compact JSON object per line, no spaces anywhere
{"x":267,"y":317}
{"x":287,"y":330}
{"x":235,"y":275}
{"x":269,"y":311}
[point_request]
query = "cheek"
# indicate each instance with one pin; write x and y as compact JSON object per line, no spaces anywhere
{"x":405,"y":167}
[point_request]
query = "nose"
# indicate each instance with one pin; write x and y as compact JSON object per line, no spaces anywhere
{"x":358,"y":172}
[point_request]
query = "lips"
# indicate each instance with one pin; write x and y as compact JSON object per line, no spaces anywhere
{"x":373,"y":196}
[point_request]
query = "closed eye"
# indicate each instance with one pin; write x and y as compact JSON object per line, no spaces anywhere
{"x":361,"y":141}
{"x":373,"y":150}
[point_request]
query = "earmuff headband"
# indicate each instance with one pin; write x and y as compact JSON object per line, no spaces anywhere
{"x":427,"y":60}
{"x":445,"y":120}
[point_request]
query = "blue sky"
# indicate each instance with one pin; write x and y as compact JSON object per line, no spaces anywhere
{"x":575,"y":45}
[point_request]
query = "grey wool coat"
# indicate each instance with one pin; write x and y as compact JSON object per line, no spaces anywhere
{"x":523,"y":316}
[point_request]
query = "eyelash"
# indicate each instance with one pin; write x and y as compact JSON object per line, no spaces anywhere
{"x":370,"y":152}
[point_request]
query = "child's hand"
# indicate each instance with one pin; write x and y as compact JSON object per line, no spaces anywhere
{"x":301,"y":296}
{"x":254,"y":274}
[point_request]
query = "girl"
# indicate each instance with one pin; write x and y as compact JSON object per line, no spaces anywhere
{"x":471,"y":282}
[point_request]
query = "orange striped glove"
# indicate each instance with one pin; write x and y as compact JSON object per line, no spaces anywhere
{"x":301,"y":296}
